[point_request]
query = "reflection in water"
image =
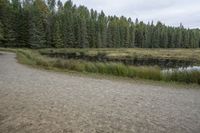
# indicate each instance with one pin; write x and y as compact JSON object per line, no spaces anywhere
{"x":191,"y":68}
{"x":185,"y":69}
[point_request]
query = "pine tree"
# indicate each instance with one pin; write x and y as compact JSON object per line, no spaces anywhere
{"x":84,"y":36}
{"x":172,"y":39}
{"x":164,"y":38}
{"x":37,"y":38}
{"x":60,"y":6}
{"x":140,"y":35}
{"x":7,"y":23}
{"x":92,"y":33}
{"x":68,"y":30}
{"x":38,"y":20}
{"x":103,"y":26}
{"x":147,"y":42}
{"x":186,"y":38}
{"x":109,"y":36}
{"x":56,"y":38}
{"x":39,"y":23}
{"x":1,"y":35}
{"x":99,"y":41}
{"x":51,"y":5}
{"x":179,"y":38}
{"x":132,"y":36}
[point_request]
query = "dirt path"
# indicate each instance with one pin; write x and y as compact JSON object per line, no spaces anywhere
{"x":38,"y":101}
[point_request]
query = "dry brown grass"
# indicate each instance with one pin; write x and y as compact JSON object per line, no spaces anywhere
{"x":178,"y":54}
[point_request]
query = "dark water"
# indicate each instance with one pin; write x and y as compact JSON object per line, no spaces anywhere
{"x":147,"y":61}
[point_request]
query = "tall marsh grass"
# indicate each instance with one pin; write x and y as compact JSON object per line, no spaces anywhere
{"x":192,"y":76}
{"x":116,"y":69}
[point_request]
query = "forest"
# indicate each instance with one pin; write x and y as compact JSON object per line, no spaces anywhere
{"x":53,"y":24}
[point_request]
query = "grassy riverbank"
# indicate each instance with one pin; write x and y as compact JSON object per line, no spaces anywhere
{"x":34,"y":58}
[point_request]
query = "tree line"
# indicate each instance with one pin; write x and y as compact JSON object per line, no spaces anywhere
{"x":46,"y":24}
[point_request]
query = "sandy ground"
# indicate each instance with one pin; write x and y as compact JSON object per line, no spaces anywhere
{"x":36,"y":101}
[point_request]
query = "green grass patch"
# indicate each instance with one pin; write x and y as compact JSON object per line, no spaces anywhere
{"x":192,"y":76}
{"x":8,"y":49}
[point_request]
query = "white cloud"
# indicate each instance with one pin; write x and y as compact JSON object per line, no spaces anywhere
{"x":171,"y":12}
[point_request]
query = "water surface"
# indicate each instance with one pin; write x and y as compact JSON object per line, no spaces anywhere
{"x":185,"y":69}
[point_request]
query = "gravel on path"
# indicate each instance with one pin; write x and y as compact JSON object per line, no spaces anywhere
{"x":37,"y":101}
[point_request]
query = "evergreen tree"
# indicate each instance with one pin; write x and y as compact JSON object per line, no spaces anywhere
{"x":60,"y":6}
{"x":39,"y":24}
{"x":83,"y":42}
{"x":147,"y":38}
{"x":51,"y":5}
{"x":1,"y":35}
{"x":109,"y":36}
{"x":186,"y":38}
{"x":99,"y":40}
{"x":103,"y":25}
{"x":132,"y":36}
{"x":56,"y":38}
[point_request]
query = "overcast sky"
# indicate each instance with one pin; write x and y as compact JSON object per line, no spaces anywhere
{"x":170,"y":12}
